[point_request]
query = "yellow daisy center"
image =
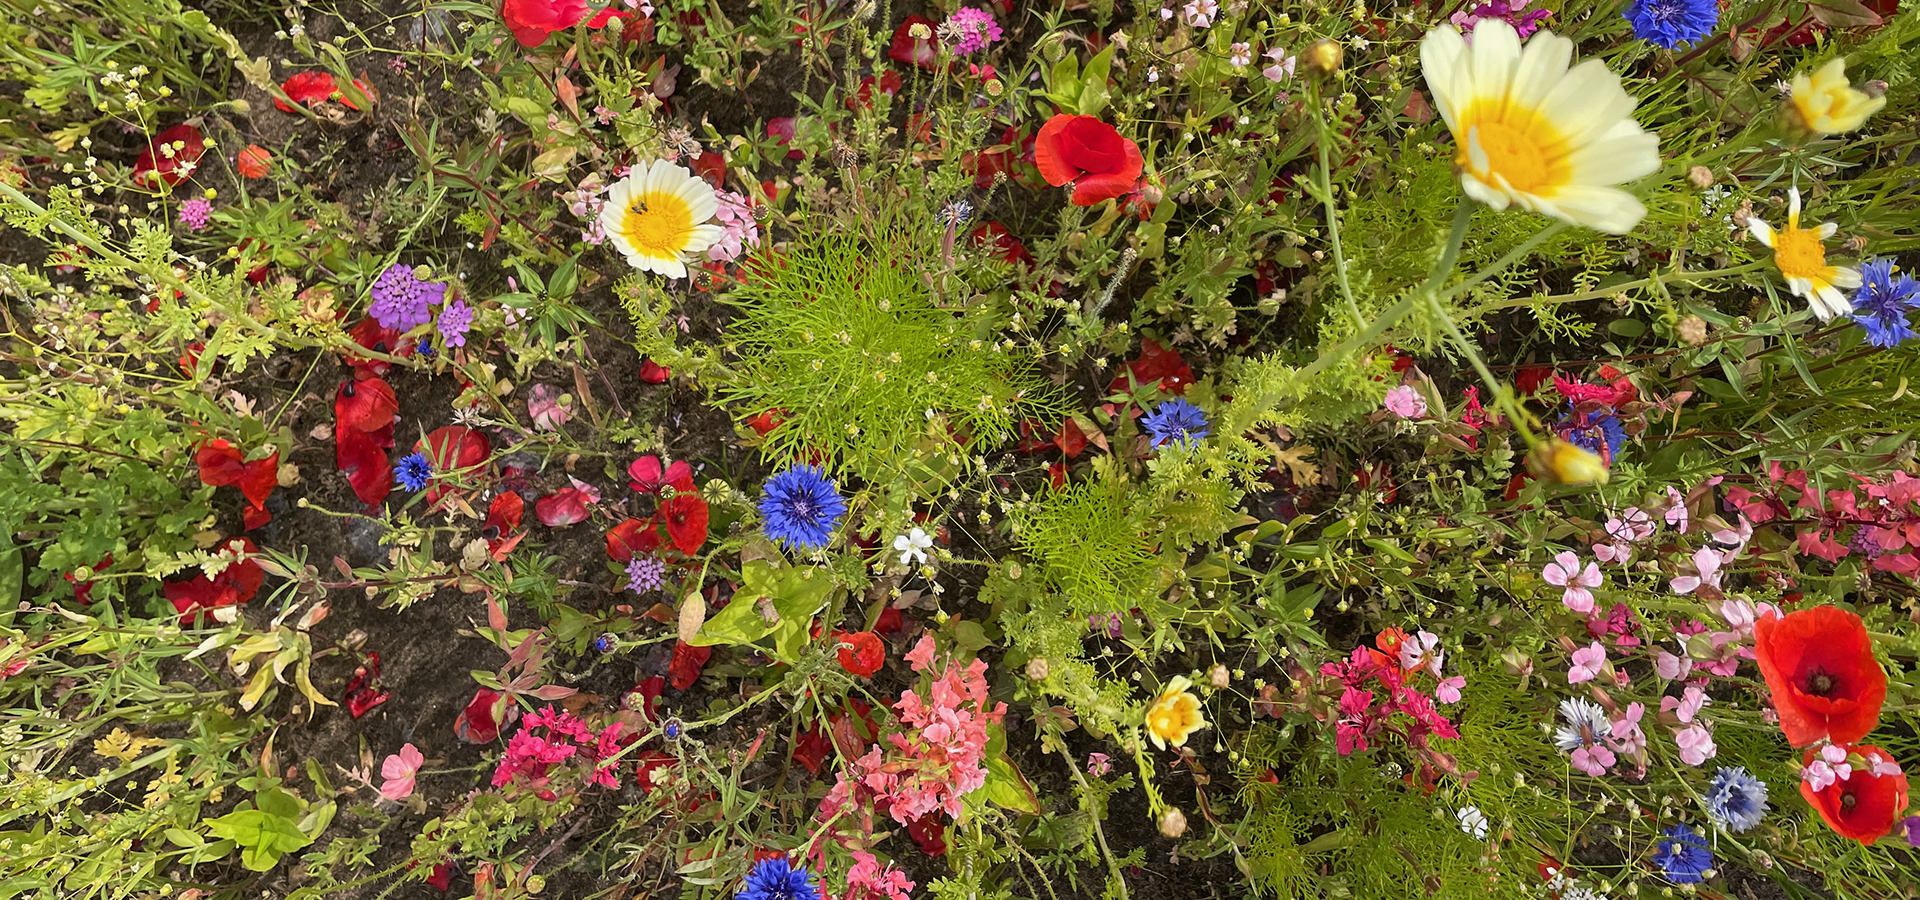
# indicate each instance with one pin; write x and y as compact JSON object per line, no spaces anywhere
{"x":1521,"y":147}
{"x":1799,"y":254}
{"x":658,"y":224}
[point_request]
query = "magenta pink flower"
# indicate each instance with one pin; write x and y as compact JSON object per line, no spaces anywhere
{"x":1448,"y":690}
{"x":1696,"y":744}
{"x":1669,"y":666}
{"x":869,"y":880}
{"x":1594,"y":760}
{"x":1565,"y":572}
{"x":1405,"y":402}
{"x":398,"y":770}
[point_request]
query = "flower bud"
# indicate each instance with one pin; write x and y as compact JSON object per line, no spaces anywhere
{"x":1219,"y":677}
{"x":1564,"y":463}
{"x":1037,"y":668}
{"x":1173,"y":823}
{"x":1692,"y":330}
{"x":1323,"y":56}
{"x":1701,"y":176}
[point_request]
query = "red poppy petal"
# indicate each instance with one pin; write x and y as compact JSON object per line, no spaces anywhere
{"x":686,"y":516}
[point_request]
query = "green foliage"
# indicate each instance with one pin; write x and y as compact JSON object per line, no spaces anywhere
{"x":842,"y":339}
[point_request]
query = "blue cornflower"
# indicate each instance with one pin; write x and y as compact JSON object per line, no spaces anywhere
{"x":1595,"y":432}
{"x":801,"y":507}
{"x":1880,"y":305}
{"x":605,"y":643}
{"x":1735,"y":799}
{"x":1683,"y":856}
{"x":777,"y":879}
{"x":1176,"y":420}
{"x":1668,"y":23}
{"x":413,"y":472}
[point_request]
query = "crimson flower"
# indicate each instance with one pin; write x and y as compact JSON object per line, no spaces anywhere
{"x":1819,"y":665}
{"x":631,"y":538}
{"x":915,"y":51}
{"x":363,"y":689}
{"x":647,"y":476}
{"x":503,"y":519}
{"x":863,"y":655}
{"x":223,"y":465}
{"x":236,"y":584}
{"x":362,"y":456}
{"x":688,"y":660}
{"x":1089,"y":153}
{"x":313,"y":88}
{"x":1155,"y":363}
{"x":532,"y":20}
{"x":686,"y":517}
{"x":1864,"y":805}
{"x":364,"y":405}
{"x":654,"y":373}
{"x":456,"y":453}
{"x":162,"y":161}
{"x":480,"y":722}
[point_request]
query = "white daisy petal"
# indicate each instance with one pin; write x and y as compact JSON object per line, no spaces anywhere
{"x":1760,"y":230}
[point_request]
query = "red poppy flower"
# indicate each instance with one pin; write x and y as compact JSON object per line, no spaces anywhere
{"x":532,"y":20}
{"x":863,"y":654}
{"x":654,"y":373}
{"x":713,"y":167}
{"x":646,"y":475}
{"x":563,"y":507}
{"x":632,"y":538}
{"x":363,"y":458}
{"x":686,"y":517}
{"x":503,"y":519}
{"x":369,"y":334}
{"x":890,"y":621}
{"x":364,"y":405}
{"x":888,"y":83}
{"x":915,"y":51}
{"x":480,"y":722}
{"x":997,"y":240}
{"x":688,"y":660}
{"x":1155,"y":363}
{"x":1862,"y":806}
{"x":313,"y":88}
{"x":236,"y":584}
{"x":223,"y":465}
{"x":767,"y":421}
{"x":647,"y":763}
{"x":810,"y":749}
{"x":253,"y":161}
{"x":170,"y":157}
{"x":456,"y":453}
{"x":1819,"y":665}
{"x":1091,"y":154}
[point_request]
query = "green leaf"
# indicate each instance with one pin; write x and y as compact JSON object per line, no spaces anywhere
{"x":12,"y":572}
{"x":795,"y":593}
{"x":261,"y":836}
{"x":1007,"y":788}
{"x":1093,"y":94}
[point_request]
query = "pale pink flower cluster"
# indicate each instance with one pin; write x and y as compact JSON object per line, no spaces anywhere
{"x":1830,"y":766}
{"x":1565,"y":572}
{"x":1692,"y":735}
{"x":869,"y":880}
{"x":940,"y":760}
{"x":739,"y":233}
{"x":584,"y":201}
{"x":1630,"y":527}
{"x":529,"y":756}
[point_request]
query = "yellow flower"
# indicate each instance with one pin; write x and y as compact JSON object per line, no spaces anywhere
{"x":1174,"y":714}
{"x":1803,"y":260}
{"x":1563,"y":463}
{"x":1827,"y":104}
{"x":1535,"y":134}
{"x":658,"y":215}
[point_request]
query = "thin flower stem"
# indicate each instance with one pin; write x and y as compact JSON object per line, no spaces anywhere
{"x":1099,"y":834}
{"x":1597,"y":293}
{"x":1502,"y":396}
{"x":1324,"y":187}
{"x":1501,"y":264}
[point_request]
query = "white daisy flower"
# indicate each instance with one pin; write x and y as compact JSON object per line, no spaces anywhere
{"x":1532,"y":132}
{"x":658,"y":217}
{"x":1803,"y":261}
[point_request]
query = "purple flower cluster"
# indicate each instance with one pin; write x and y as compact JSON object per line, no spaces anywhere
{"x":401,"y":301}
{"x":193,"y":213}
{"x":455,"y":319}
{"x":971,"y":29}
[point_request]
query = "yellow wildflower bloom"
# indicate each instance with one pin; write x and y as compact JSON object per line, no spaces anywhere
{"x":1564,"y":463}
{"x":1803,"y":261}
{"x":1826,"y":104}
{"x":1532,"y":132}
{"x":1174,"y":714}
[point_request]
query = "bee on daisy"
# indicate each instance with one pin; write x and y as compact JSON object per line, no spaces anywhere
{"x":1532,"y":132}
{"x":1802,"y":260}
{"x":659,"y":216}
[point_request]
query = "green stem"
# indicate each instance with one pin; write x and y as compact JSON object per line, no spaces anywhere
{"x":1324,"y":187}
{"x":1597,"y":293}
{"x":1500,"y":265}
{"x":1502,"y":397}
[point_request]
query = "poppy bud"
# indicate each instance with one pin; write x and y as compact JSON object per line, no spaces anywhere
{"x":1173,"y":823}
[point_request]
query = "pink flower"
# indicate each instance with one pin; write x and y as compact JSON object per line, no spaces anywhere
{"x":543,"y":404}
{"x":921,"y":655}
{"x":1632,"y":525}
{"x":1687,"y":706}
{"x":1669,"y":666}
{"x":1099,"y":764}
{"x":1200,"y":13}
{"x":398,"y":770}
{"x":1422,"y":651}
{"x":740,"y":234}
{"x":1241,"y":55}
{"x":1448,"y":691}
{"x":1593,"y":760}
{"x":1696,"y":744}
{"x":1587,"y":663}
{"x":869,"y":880}
{"x":1405,"y":402}
{"x":1565,"y":572}
{"x":1624,"y":732}
{"x":1283,"y":65}
{"x":1706,"y":565}
{"x":1830,"y":767}
{"x":1676,"y":510}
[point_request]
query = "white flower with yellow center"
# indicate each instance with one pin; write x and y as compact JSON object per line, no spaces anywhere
{"x":1802,"y":260}
{"x":1825,"y":103}
{"x":1535,"y":134}
{"x":658,"y":216}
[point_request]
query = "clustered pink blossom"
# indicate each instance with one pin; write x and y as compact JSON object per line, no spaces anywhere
{"x":1525,"y":21}
{"x":1884,"y":525}
{"x":1565,"y":572}
{"x":1405,"y":402}
{"x":869,"y":880}
{"x":529,"y":756}
{"x":972,"y":28}
{"x":939,"y":760}
{"x":1361,"y":720}
{"x":585,"y":201}
{"x":739,"y":233}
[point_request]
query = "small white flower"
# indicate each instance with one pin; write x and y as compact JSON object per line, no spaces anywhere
{"x":1473,"y":822}
{"x":913,"y":546}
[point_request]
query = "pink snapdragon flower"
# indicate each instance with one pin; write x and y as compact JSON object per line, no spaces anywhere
{"x":1565,"y":572}
{"x":1588,"y":662}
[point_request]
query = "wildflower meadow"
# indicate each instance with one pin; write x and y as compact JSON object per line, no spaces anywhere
{"x":959,"y":449}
